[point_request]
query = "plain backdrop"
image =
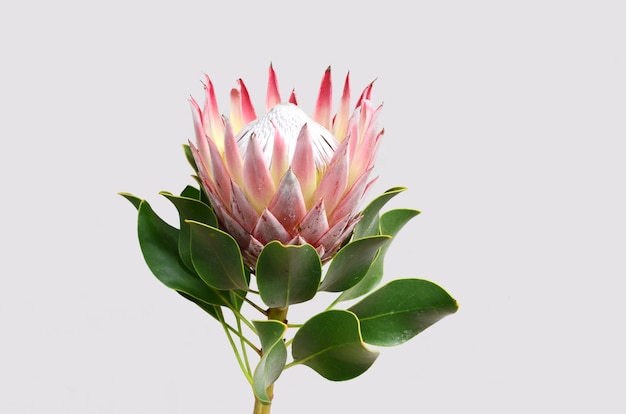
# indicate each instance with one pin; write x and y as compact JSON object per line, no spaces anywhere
{"x":505,"y":121}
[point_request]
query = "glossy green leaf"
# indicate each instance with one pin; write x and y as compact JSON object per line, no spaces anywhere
{"x":352,"y":262}
{"x":287,"y":274}
{"x":390,"y":224}
{"x":237,"y":295}
{"x":159,"y":245}
{"x":136,"y":201}
{"x":189,"y":156}
{"x":216,"y":257}
{"x":402,"y":309}
{"x":272,"y":363}
{"x":190,"y":192}
{"x":369,"y":223}
{"x":196,"y":194}
{"x":213,"y":310}
{"x":331,"y":344}
{"x":190,"y":209}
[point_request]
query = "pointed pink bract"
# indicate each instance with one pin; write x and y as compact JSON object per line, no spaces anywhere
{"x":324,"y":102}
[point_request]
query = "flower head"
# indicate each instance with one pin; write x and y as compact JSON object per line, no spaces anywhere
{"x":284,"y":175}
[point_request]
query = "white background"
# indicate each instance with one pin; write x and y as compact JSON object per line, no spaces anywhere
{"x":506,"y":121}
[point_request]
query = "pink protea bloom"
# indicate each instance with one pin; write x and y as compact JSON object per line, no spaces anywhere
{"x":286,"y":176}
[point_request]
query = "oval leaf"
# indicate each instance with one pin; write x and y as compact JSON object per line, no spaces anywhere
{"x":368,"y":224}
{"x":216,"y":257}
{"x":401,"y":309}
{"x":330,"y":343}
{"x":190,"y":209}
{"x":287,"y":274}
{"x":390,"y":224}
{"x":272,"y":363}
{"x":352,"y":262}
{"x":159,"y":245}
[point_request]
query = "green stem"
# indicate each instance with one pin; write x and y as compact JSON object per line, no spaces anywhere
{"x":245,"y":371}
{"x":260,"y":408}
{"x":243,"y":347}
{"x":249,"y":302}
{"x":241,"y":336}
{"x":276,"y":314}
{"x":236,"y":312}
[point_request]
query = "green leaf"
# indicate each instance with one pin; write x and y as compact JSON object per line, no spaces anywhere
{"x":237,"y":295}
{"x":216,"y":257}
{"x":190,"y":192}
{"x":190,"y":209}
{"x":390,"y":224}
{"x":272,"y":363}
{"x":402,"y":309}
{"x":331,"y":344}
{"x":189,"y":156}
{"x":352,"y":262}
{"x":159,"y":245}
{"x":132,"y":198}
{"x":213,"y":310}
{"x":368,"y":225}
{"x":196,"y":193}
{"x":287,"y":274}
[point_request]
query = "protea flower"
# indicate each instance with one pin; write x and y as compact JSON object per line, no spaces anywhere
{"x":284,"y":175}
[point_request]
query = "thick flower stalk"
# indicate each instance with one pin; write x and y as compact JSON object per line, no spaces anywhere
{"x":284,"y":175}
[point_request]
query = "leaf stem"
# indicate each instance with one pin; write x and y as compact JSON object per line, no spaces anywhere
{"x":249,"y":302}
{"x":243,"y":347}
{"x":245,"y":371}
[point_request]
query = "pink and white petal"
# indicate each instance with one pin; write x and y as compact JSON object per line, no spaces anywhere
{"x":212,"y":117}
{"x":315,"y":224}
{"x":340,"y":122}
{"x":335,"y":179}
{"x":367,"y":117}
{"x":331,"y":248}
{"x":323,"y":107}
{"x":196,"y":113}
{"x":369,"y":185}
{"x":333,"y":237}
{"x":241,"y":208}
{"x":268,"y":228}
{"x":203,"y":163}
{"x":258,"y":184}
{"x":353,"y":135}
{"x":234,"y":163}
{"x":252,"y":252}
{"x":321,"y":252}
{"x":235,"y":229}
{"x":292,"y":97}
{"x":303,"y":165}
{"x":236,"y":117}
{"x":288,"y":204}
{"x":365,"y":153}
{"x":273,"y":94}
{"x":350,"y":202}
{"x":366,"y":94}
{"x":296,"y":241}
{"x":280,"y":156}
{"x":221,"y":178}
{"x":247,"y":109}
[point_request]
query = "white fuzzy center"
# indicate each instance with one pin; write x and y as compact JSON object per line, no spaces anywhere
{"x":289,"y":119}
